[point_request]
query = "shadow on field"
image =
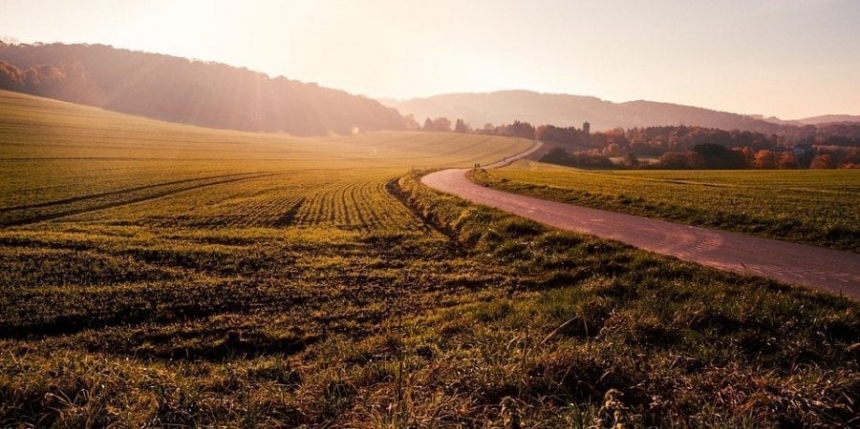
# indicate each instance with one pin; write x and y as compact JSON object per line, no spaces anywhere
{"x":231,"y":346}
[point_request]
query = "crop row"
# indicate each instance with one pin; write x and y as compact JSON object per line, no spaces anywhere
{"x":99,"y":201}
{"x":352,"y":206}
{"x":348,"y":201}
{"x":42,"y":182}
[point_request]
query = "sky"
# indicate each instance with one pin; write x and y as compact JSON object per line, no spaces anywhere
{"x":787,"y":58}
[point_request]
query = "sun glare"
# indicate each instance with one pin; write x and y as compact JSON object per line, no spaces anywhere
{"x":178,"y":29}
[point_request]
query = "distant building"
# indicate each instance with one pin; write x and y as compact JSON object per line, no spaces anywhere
{"x":586,"y":128}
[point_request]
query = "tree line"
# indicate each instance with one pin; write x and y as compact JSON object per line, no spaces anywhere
{"x":690,"y":147}
{"x":682,"y":147}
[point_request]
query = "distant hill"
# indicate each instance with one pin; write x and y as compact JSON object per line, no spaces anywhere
{"x":180,"y":90}
{"x":572,"y":110}
{"x":815,"y":120}
{"x":830,"y":119}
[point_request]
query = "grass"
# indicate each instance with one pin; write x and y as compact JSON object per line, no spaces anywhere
{"x":813,"y":207}
{"x":332,"y":290}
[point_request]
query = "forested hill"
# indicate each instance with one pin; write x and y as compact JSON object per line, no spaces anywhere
{"x":565,"y":110}
{"x":180,"y":90}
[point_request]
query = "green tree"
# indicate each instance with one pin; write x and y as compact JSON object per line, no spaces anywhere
{"x":674,"y":160}
{"x":718,"y":157}
{"x":462,"y":127}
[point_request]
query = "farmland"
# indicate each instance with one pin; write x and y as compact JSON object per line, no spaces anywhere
{"x":814,"y":207}
{"x":157,"y":275}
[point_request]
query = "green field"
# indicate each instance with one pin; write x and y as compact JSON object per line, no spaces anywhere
{"x":158,"y":275}
{"x":814,"y":207}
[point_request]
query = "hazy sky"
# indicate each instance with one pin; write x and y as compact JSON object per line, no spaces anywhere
{"x":789,"y":58}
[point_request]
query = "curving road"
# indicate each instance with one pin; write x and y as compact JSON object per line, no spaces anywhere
{"x":830,"y":270}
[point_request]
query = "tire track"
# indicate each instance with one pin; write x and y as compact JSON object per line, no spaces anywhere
{"x":108,"y":194}
{"x":28,"y":218}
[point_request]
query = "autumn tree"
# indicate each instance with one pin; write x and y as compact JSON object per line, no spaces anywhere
{"x":749,"y":155}
{"x":11,"y":77}
{"x":765,"y":159}
{"x":823,"y":161}
{"x":612,"y":149}
{"x":787,"y":161}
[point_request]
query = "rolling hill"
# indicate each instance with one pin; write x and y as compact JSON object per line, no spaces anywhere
{"x":185,"y":91}
{"x":572,"y":110}
{"x":830,"y":119}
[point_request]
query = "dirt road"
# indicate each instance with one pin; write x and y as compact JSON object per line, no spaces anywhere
{"x":834,"y":271}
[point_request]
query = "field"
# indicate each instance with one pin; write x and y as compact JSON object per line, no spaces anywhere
{"x":813,"y":207}
{"x":157,"y":275}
